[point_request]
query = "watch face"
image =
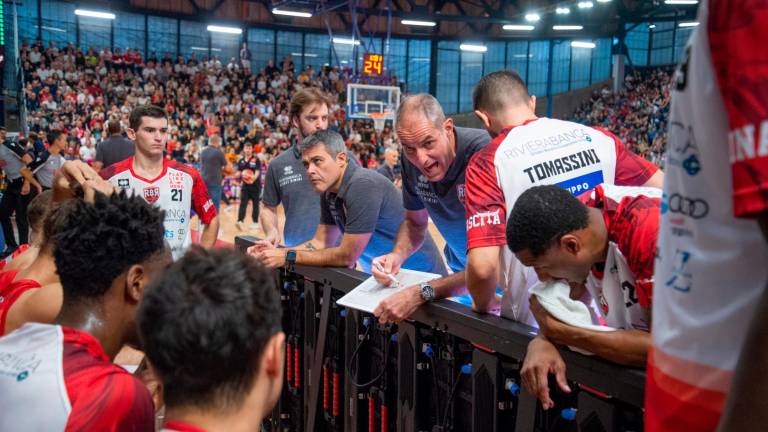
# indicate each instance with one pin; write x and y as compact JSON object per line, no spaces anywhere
{"x":427,"y":292}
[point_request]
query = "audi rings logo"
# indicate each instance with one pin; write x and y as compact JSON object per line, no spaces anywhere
{"x":692,"y":207}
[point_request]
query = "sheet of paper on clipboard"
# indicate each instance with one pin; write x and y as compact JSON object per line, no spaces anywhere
{"x":367,"y":295}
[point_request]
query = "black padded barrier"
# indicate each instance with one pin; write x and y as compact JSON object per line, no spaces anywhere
{"x":446,"y":369}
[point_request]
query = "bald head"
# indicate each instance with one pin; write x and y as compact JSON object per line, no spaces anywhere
{"x":499,"y":91}
{"x":423,"y":106}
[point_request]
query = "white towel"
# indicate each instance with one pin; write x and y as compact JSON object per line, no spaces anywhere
{"x":554,"y":296}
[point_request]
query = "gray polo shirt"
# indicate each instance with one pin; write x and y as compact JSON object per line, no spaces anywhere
{"x":212,"y":160}
{"x":114,"y":149}
{"x":45,"y":168}
{"x":444,"y":200}
{"x":11,"y":153}
{"x":368,"y":202}
{"x":286,"y":182}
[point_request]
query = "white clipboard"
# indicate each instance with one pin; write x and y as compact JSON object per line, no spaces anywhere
{"x":367,"y":296}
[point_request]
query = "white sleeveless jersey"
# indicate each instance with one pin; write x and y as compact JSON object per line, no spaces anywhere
{"x":540,"y":152}
{"x":177,"y":190}
{"x":711,"y":266}
{"x":33,"y":395}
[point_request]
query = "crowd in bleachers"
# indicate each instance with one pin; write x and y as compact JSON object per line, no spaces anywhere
{"x":637,"y":114}
{"x":78,"y":91}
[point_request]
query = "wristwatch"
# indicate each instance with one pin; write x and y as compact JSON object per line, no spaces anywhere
{"x":427,"y":292}
{"x":290,"y":258}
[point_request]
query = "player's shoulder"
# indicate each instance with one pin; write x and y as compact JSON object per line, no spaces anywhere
{"x":116,"y":168}
{"x":483,"y":158}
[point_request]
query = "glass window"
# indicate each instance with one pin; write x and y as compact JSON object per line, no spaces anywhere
{"x":317,"y":50}
{"x":95,"y":33}
{"x":226,"y":46}
{"x":193,"y":39}
{"x":538,"y":68}
{"x":129,"y":33}
{"x":471,"y":72}
{"x":662,"y":47}
{"x":681,"y":39}
{"x":581,"y":61}
{"x":344,"y":53}
{"x":494,"y":57}
{"x":396,"y":58}
{"x":448,"y":75}
{"x":58,"y":22}
{"x":517,"y":58}
{"x":162,"y":37}
{"x":262,"y":46}
{"x":419,"y":60}
{"x":289,"y":44}
{"x":561,"y":64}
{"x":637,"y":43}
{"x":601,"y":60}
{"x":26,"y":12}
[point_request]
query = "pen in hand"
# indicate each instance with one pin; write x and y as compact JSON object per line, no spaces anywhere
{"x":391,"y":277}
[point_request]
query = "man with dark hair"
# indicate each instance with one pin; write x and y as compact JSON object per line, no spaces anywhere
{"x":529,"y":151}
{"x":105,"y":253}
{"x":114,"y":149}
{"x":16,"y":196}
{"x":604,"y":242}
{"x":223,"y":304}
{"x":45,"y":166}
{"x":249,"y":167}
{"x":212,"y":161}
{"x":360,"y":207}
{"x":174,"y":187}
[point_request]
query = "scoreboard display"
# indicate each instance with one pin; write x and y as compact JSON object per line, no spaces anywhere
{"x":373,"y":64}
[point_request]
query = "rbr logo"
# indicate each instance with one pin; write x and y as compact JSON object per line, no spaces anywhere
{"x":151,"y":194}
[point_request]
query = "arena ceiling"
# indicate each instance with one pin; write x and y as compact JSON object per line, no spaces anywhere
{"x":465,"y":19}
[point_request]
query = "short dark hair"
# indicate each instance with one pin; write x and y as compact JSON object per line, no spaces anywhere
{"x":204,"y":324}
{"x":37,"y":209}
{"x":113,"y":126}
{"x":541,"y":216}
{"x":498,"y":90}
{"x":153,"y":111}
{"x":334,"y":143}
{"x":94,"y":243}
{"x":53,"y":136}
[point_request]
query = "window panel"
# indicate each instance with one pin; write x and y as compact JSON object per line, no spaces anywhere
{"x":637,"y":44}
{"x":262,"y":46}
{"x":517,"y":58}
{"x":419,"y":61}
{"x":317,"y":48}
{"x":26,"y":12}
{"x":471,"y":72}
{"x":581,"y":61}
{"x":129,"y":33}
{"x":601,"y":60}
{"x":663,"y":43}
{"x":289,"y":44}
{"x":225,"y":46}
{"x":561,"y":63}
{"x":58,"y":22}
{"x":494,"y":57}
{"x":539,"y":67}
{"x":193,"y":39}
{"x":681,"y":39}
{"x":396,"y":58}
{"x":95,"y":33}
{"x":448,"y":75}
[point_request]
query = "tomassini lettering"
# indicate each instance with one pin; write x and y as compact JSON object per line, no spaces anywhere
{"x":562,"y":165}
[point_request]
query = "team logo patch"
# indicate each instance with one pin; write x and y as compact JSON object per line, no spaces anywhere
{"x":123,"y":183}
{"x":151,"y":194}
{"x":460,"y":192}
{"x":288,"y":170}
{"x":603,"y":304}
{"x":207,"y":206}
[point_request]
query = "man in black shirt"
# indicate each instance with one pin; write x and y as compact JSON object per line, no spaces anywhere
{"x":114,"y":149}
{"x":249,"y":167}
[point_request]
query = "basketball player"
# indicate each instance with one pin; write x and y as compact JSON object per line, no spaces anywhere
{"x":249,"y":167}
{"x":106,"y":253}
{"x":172,"y":186}
{"x":224,"y":304}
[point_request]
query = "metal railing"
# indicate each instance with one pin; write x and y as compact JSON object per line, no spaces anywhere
{"x":415,"y":372}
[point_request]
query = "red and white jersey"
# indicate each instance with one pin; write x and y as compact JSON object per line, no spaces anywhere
{"x":177,"y":190}
{"x":543,"y":151}
{"x":711,"y":268}
{"x":624,"y":287}
{"x":10,"y":291}
{"x":57,"y":378}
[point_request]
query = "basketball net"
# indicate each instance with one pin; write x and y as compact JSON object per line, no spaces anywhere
{"x":379,"y":120}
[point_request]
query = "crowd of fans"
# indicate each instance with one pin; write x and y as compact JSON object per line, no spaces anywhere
{"x":78,"y":91}
{"x":637,"y":114}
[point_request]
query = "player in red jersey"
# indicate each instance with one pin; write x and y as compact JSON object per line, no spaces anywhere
{"x":171,"y":185}
{"x":529,"y":151}
{"x":61,"y":377}
{"x":224,"y":304}
{"x":604,"y":245}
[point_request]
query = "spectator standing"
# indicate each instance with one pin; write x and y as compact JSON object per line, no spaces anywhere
{"x":114,"y":149}
{"x":212,"y":161}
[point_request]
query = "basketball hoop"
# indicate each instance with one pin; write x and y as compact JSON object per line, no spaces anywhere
{"x":379,"y":120}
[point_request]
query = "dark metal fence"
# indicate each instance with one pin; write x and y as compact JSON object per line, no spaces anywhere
{"x":448,"y":369}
